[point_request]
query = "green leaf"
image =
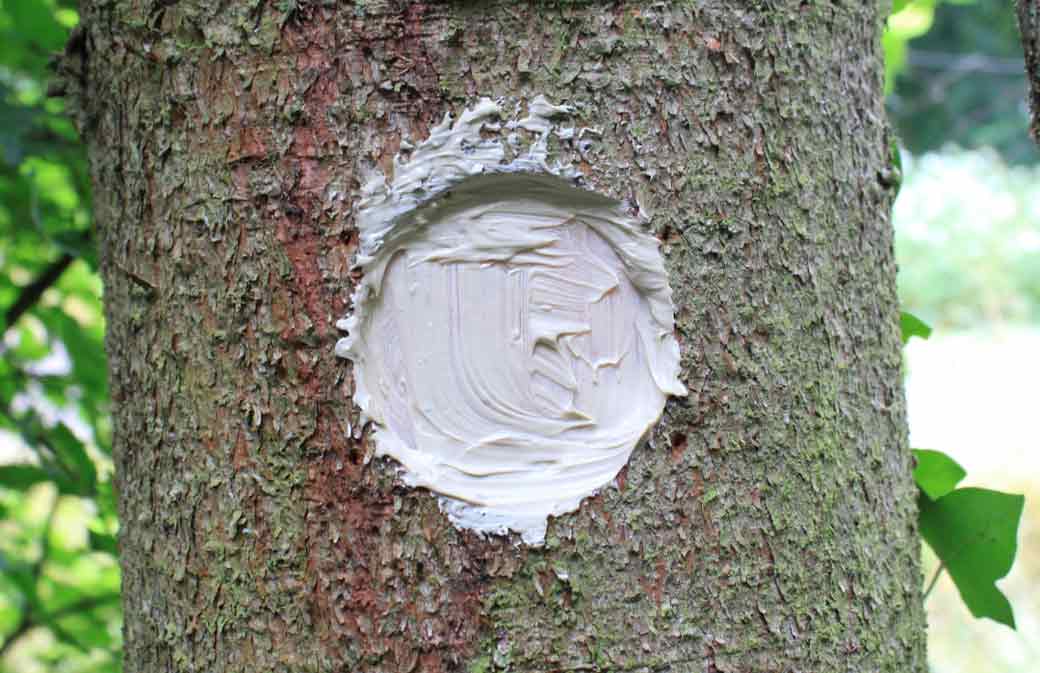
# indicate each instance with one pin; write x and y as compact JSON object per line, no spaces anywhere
{"x":936,"y":473}
{"x":974,"y":533}
{"x":21,"y":477}
{"x":73,"y":456}
{"x":86,"y":351}
{"x":21,"y":577}
{"x":36,"y":24}
{"x":105,"y":543}
{"x":912,"y":326}
{"x":29,"y":347}
{"x":898,"y":5}
{"x":105,"y":499}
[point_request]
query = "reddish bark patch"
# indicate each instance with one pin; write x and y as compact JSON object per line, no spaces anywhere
{"x":655,"y":588}
{"x":622,"y":478}
{"x":249,"y":143}
{"x":659,"y":580}
{"x":679,"y":443}
{"x":300,"y":231}
{"x":697,"y":486}
{"x":395,"y":587}
{"x":240,"y":457}
{"x":379,"y":593}
{"x":303,"y":246}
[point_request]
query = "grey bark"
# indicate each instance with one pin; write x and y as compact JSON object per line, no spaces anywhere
{"x":1029,"y":25}
{"x":770,"y":523}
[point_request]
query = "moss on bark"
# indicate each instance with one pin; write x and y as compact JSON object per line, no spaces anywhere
{"x":769,"y":524}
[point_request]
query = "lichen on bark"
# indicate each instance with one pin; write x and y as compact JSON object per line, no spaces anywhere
{"x":768,"y":525}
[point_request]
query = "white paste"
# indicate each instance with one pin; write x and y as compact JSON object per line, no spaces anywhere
{"x":512,"y":334}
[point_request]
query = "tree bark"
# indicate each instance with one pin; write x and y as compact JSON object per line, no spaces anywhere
{"x":769,"y":525}
{"x":1029,"y":25}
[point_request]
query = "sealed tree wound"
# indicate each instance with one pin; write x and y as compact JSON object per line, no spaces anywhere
{"x":513,"y":333}
{"x":228,"y":143}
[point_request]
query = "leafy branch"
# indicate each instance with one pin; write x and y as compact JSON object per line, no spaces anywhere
{"x":973,"y":531}
{"x":29,"y":618}
{"x":26,"y":621}
{"x":34,"y":290}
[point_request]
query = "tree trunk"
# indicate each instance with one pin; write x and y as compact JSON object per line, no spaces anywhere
{"x":769,"y":524}
{"x":1029,"y":25}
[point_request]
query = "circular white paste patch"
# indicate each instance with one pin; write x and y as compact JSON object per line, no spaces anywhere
{"x":512,"y":341}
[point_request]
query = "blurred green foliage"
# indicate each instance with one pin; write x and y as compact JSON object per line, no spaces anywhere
{"x":955,"y":75}
{"x":968,"y":240}
{"x":59,"y":587}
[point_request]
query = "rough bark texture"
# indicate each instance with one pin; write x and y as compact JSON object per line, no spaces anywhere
{"x":1029,"y":24}
{"x":769,"y":525}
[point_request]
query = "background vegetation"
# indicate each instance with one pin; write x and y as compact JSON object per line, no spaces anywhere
{"x":968,"y":242}
{"x":59,"y":587}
